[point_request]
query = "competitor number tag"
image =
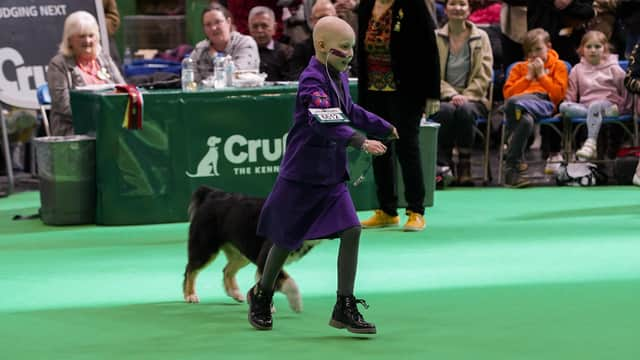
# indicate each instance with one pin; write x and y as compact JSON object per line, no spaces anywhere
{"x":329,"y":115}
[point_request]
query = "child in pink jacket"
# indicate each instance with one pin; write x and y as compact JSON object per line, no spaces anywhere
{"x":596,"y":89}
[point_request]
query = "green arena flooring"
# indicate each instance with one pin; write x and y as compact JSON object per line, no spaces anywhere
{"x":540,"y":273}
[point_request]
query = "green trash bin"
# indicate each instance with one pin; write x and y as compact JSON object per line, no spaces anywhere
{"x":428,"y":157}
{"x":67,"y":172}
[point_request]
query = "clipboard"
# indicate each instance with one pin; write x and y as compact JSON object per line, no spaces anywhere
{"x":329,"y":115}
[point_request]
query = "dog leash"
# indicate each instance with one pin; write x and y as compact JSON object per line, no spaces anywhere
{"x":362,"y":176}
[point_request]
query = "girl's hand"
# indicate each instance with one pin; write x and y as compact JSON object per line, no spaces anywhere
{"x":374,"y":147}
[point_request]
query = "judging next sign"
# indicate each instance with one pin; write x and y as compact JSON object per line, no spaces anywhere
{"x":31,"y":31}
{"x":329,"y":115}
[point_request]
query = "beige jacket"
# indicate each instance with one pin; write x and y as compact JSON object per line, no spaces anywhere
{"x":481,"y":68}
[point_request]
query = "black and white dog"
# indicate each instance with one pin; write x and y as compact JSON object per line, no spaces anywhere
{"x":228,"y":221}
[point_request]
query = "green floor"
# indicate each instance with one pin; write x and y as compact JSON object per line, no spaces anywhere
{"x":541,"y":273}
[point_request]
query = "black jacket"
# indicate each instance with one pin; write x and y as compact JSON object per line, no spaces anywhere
{"x":414,"y":53}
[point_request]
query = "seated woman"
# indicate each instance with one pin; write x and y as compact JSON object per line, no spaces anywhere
{"x":466,"y":62}
{"x":222,"y":40}
{"x":79,"y":62}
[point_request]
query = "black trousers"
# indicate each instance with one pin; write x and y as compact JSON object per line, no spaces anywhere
{"x":456,"y":127}
{"x":405,"y":115}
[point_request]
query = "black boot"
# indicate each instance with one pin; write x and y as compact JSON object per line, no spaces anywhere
{"x":346,"y":315}
{"x":260,"y":302}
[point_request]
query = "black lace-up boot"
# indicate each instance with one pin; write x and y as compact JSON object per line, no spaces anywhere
{"x":260,"y":302}
{"x":346,"y":315}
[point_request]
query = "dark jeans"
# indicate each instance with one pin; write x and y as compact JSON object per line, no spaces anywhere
{"x":405,"y":115}
{"x":456,"y":127}
{"x":521,"y":112}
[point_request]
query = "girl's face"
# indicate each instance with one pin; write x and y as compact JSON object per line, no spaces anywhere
{"x":539,"y":50}
{"x":593,"y":51}
{"x":344,"y":43}
{"x":217,"y":28}
{"x":457,"y":9}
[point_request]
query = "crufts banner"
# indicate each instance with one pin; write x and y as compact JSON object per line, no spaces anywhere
{"x":30,"y":33}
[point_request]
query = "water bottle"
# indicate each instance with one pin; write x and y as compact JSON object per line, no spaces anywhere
{"x":229,"y":69}
{"x":219,"y":74}
{"x":128,"y":57}
{"x":188,"y":75}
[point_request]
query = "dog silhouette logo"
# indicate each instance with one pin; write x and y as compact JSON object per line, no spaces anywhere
{"x":208,"y":166}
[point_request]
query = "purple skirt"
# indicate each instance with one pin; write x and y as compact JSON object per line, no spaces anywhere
{"x":295,"y":212}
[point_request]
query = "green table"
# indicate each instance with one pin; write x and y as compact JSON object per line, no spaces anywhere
{"x":231,"y":138}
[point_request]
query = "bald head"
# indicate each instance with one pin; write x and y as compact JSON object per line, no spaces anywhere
{"x":331,"y":27}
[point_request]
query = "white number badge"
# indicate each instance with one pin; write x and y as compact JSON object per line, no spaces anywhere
{"x":329,"y":115}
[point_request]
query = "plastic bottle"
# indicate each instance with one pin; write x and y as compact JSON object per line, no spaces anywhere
{"x":219,"y":74}
{"x":229,"y":69}
{"x":128,"y":57}
{"x":188,"y":75}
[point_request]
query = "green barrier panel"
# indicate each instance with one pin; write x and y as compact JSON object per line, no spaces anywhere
{"x":231,"y":138}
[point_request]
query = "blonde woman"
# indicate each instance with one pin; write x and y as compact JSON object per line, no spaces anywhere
{"x":79,"y":62}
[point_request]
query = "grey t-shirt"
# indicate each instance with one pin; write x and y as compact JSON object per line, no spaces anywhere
{"x":242,"y":48}
{"x":458,"y":68}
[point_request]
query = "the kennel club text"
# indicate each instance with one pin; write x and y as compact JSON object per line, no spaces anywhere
{"x":249,"y":156}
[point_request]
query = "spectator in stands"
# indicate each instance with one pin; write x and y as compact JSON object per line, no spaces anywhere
{"x":239,"y":10}
{"x":303,"y":51}
{"x":513,"y":23}
{"x":274,"y":55}
{"x":399,"y":79}
{"x":466,"y":63}
{"x":605,"y":17}
{"x":632,"y":82}
{"x":628,"y":13}
{"x":533,"y":89}
{"x":596,"y":89}
{"x":112,"y":16}
{"x":222,"y":40}
{"x":484,"y":12}
{"x":346,"y":10}
{"x":79,"y":62}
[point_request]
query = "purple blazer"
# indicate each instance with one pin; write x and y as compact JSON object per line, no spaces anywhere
{"x":317,"y":153}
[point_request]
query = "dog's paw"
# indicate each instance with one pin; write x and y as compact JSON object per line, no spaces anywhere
{"x":235,"y":294}
{"x":290,"y":289}
{"x":192,"y":298}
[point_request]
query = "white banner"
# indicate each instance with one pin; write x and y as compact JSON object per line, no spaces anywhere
{"x":31,"y":31}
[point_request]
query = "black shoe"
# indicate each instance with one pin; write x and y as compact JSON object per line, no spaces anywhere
{"x":346,"y":315}
{"x":260,"y":302}
{"x":514,"y":177}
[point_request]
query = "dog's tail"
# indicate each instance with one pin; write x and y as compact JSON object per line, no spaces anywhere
{"x":197,"y":199}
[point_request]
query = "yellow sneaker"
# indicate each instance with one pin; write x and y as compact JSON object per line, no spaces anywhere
{"x":415,"y":222}
{"x":380,"y":219}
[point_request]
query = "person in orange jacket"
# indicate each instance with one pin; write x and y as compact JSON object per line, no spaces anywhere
{"x":533,"y":90}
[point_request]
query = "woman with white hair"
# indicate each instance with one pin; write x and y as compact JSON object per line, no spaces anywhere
{"x":79,"y":62}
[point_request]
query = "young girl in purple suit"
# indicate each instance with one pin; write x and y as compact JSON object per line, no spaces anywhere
{"x":310,"y":199}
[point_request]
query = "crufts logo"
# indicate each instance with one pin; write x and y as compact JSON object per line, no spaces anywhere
{"x":243,"y":153}
{"x":17,"y":81}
